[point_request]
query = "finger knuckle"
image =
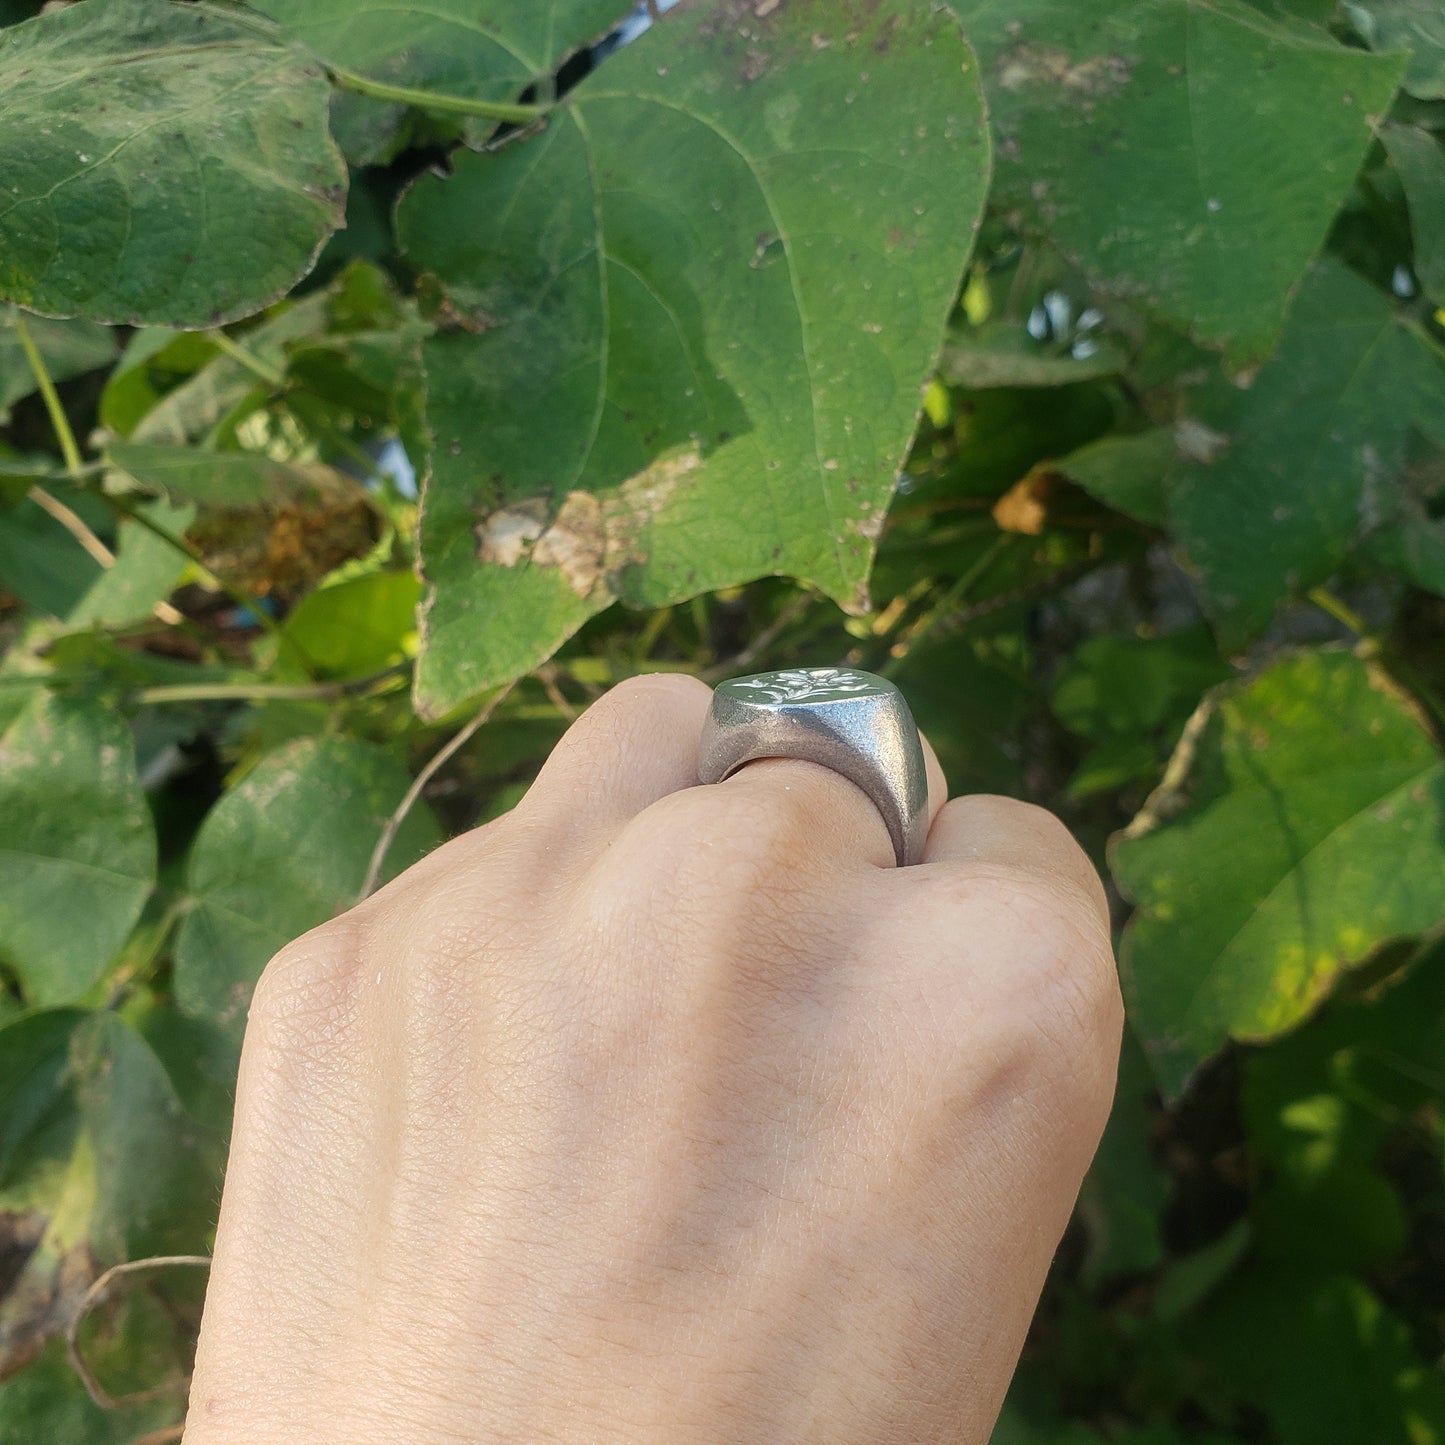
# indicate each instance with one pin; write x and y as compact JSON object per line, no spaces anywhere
{"x":652,"y":687}
{"x":309,"y":980}
{"x":628,"y":711}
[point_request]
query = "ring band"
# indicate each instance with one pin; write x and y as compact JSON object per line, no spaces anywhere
{"x":856,"y":723}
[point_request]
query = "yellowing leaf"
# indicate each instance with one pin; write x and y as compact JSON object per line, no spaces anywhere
{"x":1256,"y":866}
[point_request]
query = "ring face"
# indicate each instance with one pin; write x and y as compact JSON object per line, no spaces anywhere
{"x":854,"y":722}
{"x":808,"y":684}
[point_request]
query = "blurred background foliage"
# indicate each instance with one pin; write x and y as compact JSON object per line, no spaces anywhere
{"x":647,"y":319}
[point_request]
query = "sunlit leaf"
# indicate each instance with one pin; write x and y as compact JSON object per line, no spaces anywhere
{"x":1255,"y":866}
{"x":357,"y":626}
{"x":1124,"y":471}
{"x":716,"y":283}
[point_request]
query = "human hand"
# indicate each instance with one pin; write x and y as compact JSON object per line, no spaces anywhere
{"x":655,"y":1112}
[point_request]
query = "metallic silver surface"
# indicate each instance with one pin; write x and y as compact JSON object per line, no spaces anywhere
{"x":853,"y":722}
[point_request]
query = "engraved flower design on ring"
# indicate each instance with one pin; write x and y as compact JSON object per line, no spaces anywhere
{"x":798,"y":684}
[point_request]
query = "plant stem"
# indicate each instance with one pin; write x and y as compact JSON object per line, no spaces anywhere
{"x":58,"y":420}
{"x":238,"y":353}
{"x":1342,"y":612}
{"x":1373,"y":646}
{"x":73,"y":523}
{"x":429,"y":100}
{"x":91,"y":1298}
{"x":950,"y":601}
{"x":547,"y":675}
{"x":69,"y":519}
{"x":266,"y":691}
{"x":437,"y":760}
{"x":787,"y":615}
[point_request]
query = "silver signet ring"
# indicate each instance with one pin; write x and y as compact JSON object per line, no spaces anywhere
{"x":853,"y":722}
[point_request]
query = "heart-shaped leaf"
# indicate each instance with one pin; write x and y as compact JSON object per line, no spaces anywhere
{"x":715,"y":283}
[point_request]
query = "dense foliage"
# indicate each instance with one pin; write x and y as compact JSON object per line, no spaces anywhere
{"x":653,"y":322}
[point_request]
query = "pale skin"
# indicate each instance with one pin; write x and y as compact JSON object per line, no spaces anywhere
{"x":653,"y":1112}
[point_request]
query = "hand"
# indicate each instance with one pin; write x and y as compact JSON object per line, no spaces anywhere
{"x":655,"y":1112}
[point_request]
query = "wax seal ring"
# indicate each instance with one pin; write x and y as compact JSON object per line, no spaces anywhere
{"x":856,"y":723}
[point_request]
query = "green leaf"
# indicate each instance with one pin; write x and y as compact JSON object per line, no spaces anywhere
{"x":1125,"y":1192}
{"x":77,"y":846}
{"x":19,"y":472}
{"x":46,"y":1401}
{"x":716,"y":284}
{"x":68,"y":348}
{"x":213,"y":478}
{"x":146,"y":571}
{"x":151,"y":1198}
{"x":200,"y":1060}
{"x":1189,"y":1278}
{"x":1319,"y":1107}
{"x":1294,"y":468}
{"x":164,"y":163}
{"x":452,"y":48}
{"x":1316,"y":12}
{"x":1014,"y":1429}
{"x":359,"y":626}
{"x":284,"y":852}
{"x":135,"y":386}
{"x":1419,"y":158}
{"x":1125,"y":472}
{"x":1322,"y":1357}
{"x":222,"y":387}
{"x":1116,"y":686}
{"x":1299,"y":826}
{"x":34,"y":1077}
{"x":1189,"y":153}
{"x":1416,"y":26}
{"x":40,"y":561}
{"x":972,"y":711}
{"x":1112,"y":764}
{"x":125,"y":1176}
